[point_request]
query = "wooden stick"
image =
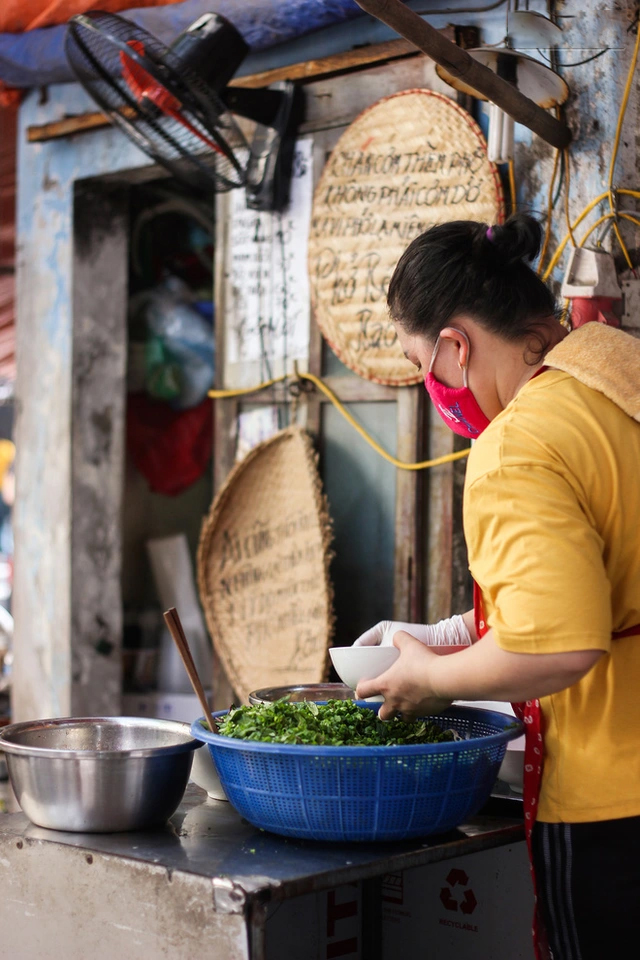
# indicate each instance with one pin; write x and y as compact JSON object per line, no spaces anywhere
{"x":174,"y":624}
{"x":458,"y":62}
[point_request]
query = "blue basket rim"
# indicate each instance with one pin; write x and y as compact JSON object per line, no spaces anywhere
{"x":480,"y":715}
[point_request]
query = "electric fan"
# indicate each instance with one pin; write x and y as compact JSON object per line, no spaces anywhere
{"x":174,"y":103}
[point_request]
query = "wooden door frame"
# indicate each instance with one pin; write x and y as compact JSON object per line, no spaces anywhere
{"x":427,"y":546}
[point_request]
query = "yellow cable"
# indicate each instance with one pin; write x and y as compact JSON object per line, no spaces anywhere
{"x":603,"y":219}
{"x":245,"y":391}
{"x":400,"y":464}
{"x":587,"y":210}
{"x":512,"y":187}
{"x":547,"y":232}
{"x":616,"y":142}
{"x":567,"y":184}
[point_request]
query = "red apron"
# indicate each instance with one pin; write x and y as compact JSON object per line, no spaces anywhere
{"x":531,"y":715}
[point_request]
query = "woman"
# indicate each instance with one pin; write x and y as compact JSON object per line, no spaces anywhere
{"x":552,"y":524}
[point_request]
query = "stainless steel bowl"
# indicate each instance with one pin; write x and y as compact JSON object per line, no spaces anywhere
{"x":98,"y":774}
{"x":303,"y":691}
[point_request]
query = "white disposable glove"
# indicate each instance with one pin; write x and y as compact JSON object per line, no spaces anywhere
{"x":451,"y":632}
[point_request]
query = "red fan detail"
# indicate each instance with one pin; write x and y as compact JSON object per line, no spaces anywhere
{"x":145,"y":87}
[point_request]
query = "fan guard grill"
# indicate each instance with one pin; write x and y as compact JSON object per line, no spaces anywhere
{"x":194,"y":143}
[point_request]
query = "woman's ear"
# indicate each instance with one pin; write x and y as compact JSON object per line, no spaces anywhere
{"x":460,"y":340}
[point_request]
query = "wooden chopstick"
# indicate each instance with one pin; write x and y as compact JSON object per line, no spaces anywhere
{"x":174,"y":625}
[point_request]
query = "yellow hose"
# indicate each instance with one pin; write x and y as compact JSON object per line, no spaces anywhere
{"x":317,"y":382}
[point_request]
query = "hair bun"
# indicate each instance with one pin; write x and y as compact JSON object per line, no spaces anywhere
{"x":518,"y":238}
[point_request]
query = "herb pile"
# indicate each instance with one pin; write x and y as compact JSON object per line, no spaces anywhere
{"x":337,"y":723}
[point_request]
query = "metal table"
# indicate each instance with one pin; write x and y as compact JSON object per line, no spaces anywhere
{"x":203,"y":885}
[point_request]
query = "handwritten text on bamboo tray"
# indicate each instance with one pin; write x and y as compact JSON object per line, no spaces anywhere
{"x":412,"y":160}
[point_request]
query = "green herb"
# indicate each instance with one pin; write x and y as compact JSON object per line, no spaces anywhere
{"x":334,"y":724}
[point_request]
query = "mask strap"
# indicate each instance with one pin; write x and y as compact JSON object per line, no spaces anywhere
{"x":465,"y":379}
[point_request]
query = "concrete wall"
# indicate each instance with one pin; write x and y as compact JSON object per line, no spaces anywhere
{"x":70,"y":417}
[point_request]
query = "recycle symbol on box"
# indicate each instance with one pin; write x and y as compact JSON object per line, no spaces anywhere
{"x":450,"y":901}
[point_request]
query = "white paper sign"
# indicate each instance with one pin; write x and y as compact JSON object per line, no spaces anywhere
{"x":266,"y":301}
{"x":254,"y":427}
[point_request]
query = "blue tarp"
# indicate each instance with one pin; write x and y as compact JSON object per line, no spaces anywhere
{"x":37,"y":57}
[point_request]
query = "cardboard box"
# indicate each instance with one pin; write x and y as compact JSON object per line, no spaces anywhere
{"x":318,"y":926}
{"x":478,"y":907}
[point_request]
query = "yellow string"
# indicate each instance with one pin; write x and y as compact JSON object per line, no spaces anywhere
{"x":567,"y":184}
{"x":603,"y":219}
{"x":609,"y":193}
{"x":547,"y":232}
{"x":576,"y":223}
{"x":317,"y":382}
{"x":512,"y":187}
{"x":616,"y":143}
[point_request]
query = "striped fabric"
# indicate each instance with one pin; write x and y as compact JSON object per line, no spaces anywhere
{"x":588,"y":884}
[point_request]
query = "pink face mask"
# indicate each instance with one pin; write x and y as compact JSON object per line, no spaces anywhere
{"x":456,"y":405}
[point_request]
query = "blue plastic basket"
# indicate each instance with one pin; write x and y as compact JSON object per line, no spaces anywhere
{"x":365,"y":793}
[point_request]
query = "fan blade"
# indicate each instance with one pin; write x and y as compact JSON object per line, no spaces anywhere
{"x":163,"y":106}
{"x":145,"y":87}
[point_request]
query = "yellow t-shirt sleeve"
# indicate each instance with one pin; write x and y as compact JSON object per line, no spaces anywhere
{"x":538,"y":561}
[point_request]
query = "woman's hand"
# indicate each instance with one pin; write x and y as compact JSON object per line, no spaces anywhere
{"x":405,"y":686}
{"x":452,"y":632}
{"x":422,"y":682}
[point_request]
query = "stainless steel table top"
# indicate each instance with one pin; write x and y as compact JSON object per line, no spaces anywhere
{"x":208,"y":838}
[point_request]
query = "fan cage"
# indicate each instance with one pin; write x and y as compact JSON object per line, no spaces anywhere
{"x":95,"y":46}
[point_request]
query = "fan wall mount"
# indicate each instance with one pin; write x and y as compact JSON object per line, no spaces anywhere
{"x":175,"y":104}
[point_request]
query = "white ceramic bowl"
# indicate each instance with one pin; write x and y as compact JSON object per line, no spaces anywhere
{"x":353,"y":664}
{"x":205,"y":775}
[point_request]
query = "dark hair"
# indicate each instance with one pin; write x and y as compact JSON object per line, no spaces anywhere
{"x":468,"y":267}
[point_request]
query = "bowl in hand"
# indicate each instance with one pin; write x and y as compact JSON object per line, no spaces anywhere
{"x":353,"y":664}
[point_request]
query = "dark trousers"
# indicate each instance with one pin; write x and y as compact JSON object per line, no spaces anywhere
{"x":588,"y":879}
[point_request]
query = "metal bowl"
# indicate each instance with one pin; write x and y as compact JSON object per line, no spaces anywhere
{"x":98,"y":774}
{"x":303,"y":691}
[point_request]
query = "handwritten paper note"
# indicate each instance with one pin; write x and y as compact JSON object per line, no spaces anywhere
{"x":410,"y":161}
{"x":266,"y":296}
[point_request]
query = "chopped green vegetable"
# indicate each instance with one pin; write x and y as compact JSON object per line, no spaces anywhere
{"x":337,"y":723}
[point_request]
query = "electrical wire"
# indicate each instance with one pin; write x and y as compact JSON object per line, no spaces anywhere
{"x":608,"y":225}
{"x":624,"y":191}
{"x":492,"y":6}
{"x":611,"y":193}
{"x":318,"y":383}
{"x":512,"y":187}
{"x":567,"y":184}
{"x":550,"y":206}
{"x":616,"y":143}
{"x":610,"y":217}
{"x":578,"y":63}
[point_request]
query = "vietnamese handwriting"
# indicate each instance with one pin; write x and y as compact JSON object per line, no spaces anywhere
{"x":411,"y":193}
{"x":365,"y":275}
{"x":238,"y":547}
{"x":356,"y":163}
{"x":369,"y":225}
{"x":262,"y":631}
{"x":258,"y":605}
{"x":248,"y":576}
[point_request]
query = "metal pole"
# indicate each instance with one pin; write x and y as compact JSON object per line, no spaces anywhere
{"x":459,"y":64}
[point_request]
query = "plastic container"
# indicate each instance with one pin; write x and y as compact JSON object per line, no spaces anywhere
{"x":365,"y":793}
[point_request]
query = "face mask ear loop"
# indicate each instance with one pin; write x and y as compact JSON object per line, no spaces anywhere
{"x":435,"y":353}
{"x":465,"y":378}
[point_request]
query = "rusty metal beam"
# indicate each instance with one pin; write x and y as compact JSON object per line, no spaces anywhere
{"x":458,"y":62}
